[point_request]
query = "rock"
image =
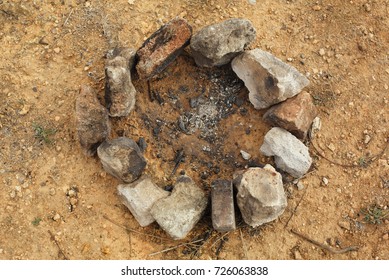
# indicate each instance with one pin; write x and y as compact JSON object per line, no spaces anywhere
{"x":315,"y":127}
{"x":261,"y":197}
{"x":217,"y":44}
{"x":92,"y":120}
{"x":139,"y":197}
{"x":345,"y":225}
{"x":268,"y":79}
{"x":223,"y":213}
{"x":245,"y":155}
{"x":122,"y":158}
{"x":290,"y":154}
{"x":162,"y":47}
{"x":295,"y":114}
{"x":178,"y":213}
{"x":120,"y":93}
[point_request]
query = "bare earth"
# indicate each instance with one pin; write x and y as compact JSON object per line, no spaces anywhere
{"x":57,"y":203}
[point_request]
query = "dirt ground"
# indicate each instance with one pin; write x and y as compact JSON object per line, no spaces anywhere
{"x":57,"y":203}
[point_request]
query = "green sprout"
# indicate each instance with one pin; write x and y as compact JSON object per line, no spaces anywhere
{"x":43,"y":134}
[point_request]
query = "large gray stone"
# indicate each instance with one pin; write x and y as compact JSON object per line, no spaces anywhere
{"x":120,"y":93}
{"x":223,"y":212}
{"x":178,"y":213}
{"x":217,"y":44}
{"x":290,"y":154}
{"x":268,"y":79}
{"x":261,"y":197}
{"x":122,"y":158}
{"x":92,"y":120}
{"x":139,"y":197}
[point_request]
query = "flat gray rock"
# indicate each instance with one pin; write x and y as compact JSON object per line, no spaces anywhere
{"x":217,"y":44}
{"x":290,"y":154}
{"x":268,"y":79}
{"x":122,"y":158}
{"x":178,"y":213}
{"x":139,"y":197}
{"x":261,"y":197}
{"x":120,"y":93}
{"x":92,"y":120}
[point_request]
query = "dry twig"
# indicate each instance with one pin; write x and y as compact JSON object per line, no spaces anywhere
{"x":323,"y":246}
{"x":295,"y":209}
{"x":175,"y":247}
{"x":134,"y":231}
{"x":59,"y":247}
{"x":244,"y":244}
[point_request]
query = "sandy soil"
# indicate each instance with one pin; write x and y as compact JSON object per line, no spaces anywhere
{"x":57,"y":203}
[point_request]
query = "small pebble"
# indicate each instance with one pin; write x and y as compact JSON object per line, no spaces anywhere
{"x":325,"y":181}
{"x":332,"y":147}
{"x":57,"y":50}
{"x":316,"y":8}
{"x":385,"y":236}
{"x":245,"y":155}
{"x":300,"y":185}
{"x":322,"y":52}
{"x":56,"y":217}
{"x":367,"y":139}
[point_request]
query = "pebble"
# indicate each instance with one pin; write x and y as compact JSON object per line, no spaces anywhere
{"x":56,"y":217}
{"x":52,"y":191}
{"x":367,"y":139}
{"x":325,"y":181}
{"x":300,"y":185}
{"x":332,"y":147}
{"x":316,"y":8}
{"x":245,"y":155}
{"x":385,"y":236}
{"x":57,"y":50}
{"x":322,"y":52}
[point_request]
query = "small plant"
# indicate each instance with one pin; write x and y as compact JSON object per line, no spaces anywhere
{"x":36,"y":221}
{"x":374,"y":214}
{"x":43,"y":134}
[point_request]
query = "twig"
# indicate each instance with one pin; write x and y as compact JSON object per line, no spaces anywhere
{"x":175,"y":247}
{"x":213,"y":244}
{"x":59,"y":247}
{"x":68,"y":17}
{"x":323,"y":246}
{"x":133,"y":230}
{"x":295,"y":209}
{"x":371,"y":159}
{"x":244,"y":244}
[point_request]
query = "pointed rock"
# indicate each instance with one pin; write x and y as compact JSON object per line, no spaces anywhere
{"x":295,"y":114}
{"x":163,"y":47}
{"x":120,"y":93}
{"x":122,"y":158}
{"x":268,"y":79}
{"x":178,"y":213}
{"x":290,"y":154}
{"x":92,"y":120}
{"x":217,"y":44}
{"x":261,"y":197}
{"x":139,"y":197}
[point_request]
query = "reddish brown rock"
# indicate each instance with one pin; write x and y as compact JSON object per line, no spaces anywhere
{"x":162,"y":47}
{"x":295,"y":114}
{"x":223,"y":213}
{"x":92,"y":120}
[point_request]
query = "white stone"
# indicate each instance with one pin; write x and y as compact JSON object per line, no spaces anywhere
{"x":139,"y":197}
{"x":290,"y":154}
{"x":261,"y":197}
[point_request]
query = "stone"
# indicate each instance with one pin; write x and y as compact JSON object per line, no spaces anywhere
{"x":178,"y":213}
{"x":163,"y":47}
{"x":290,"y":154}
{"x":268,"y":79}
{"x":218,"y":44}
{"x":223,"y":212}
{"x":92,"y":120}
{"x":261,"y":197}
{"x":295,"y":114}
{"x":122,"y":158}
{"x":120,"y":93}
{"x":139,"y":197}
{"x":245,"y":155}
